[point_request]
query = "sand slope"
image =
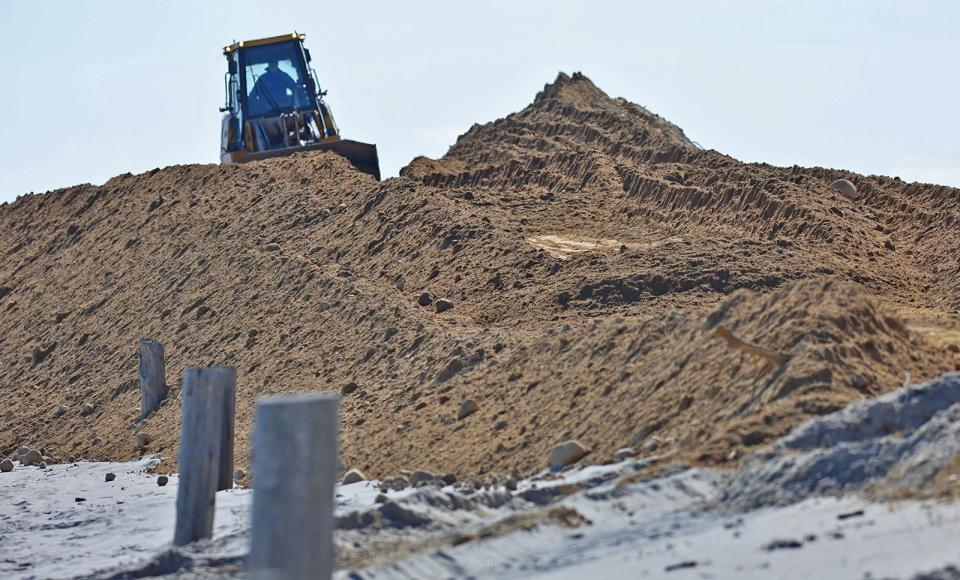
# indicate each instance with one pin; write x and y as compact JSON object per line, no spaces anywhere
{"x":622,"y":341}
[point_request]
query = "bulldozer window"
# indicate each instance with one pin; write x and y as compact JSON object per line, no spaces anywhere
{"x":275,"y":80}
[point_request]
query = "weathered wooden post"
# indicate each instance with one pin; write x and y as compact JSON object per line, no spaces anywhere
{"x":201,"y":439}
{"x":153,"y":382}
{"x":294,"y":464}
{"x":225,"y":477}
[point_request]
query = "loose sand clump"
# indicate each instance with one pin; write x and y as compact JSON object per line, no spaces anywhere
{"x":306,"y":274}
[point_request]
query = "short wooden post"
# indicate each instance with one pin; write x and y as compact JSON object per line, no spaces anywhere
{"x":225,"y":477}
{"x":153,"y":382}
{"x":294,"y":465}
{"x":201,"y":437}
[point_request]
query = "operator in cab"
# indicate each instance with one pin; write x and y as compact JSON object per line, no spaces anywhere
{"x":276,"y":87}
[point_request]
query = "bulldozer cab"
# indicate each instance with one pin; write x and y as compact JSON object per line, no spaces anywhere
{"x":274,"y":80}
{"x":274,"y":106}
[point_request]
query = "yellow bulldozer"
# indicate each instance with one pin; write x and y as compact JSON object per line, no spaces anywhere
{"x":274,"y":106}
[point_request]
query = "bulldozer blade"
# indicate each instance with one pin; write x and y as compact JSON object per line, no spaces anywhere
{"x":363,"y":156}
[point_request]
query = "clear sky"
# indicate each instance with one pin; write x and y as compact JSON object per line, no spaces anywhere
{"x":91,"y":89}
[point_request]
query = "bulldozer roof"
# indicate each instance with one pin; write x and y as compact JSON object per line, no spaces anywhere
{"x":261,"y":41}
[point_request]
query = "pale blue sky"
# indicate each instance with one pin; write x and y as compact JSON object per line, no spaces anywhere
{"x":93,"y":89}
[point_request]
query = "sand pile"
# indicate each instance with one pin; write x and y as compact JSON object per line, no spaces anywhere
{"x":611,"y":282}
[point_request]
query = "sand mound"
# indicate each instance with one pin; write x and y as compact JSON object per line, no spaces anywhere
{"x":656,"y":333}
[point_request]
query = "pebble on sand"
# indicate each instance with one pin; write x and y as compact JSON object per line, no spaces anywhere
{"x":6,"y":465}
{"x":271,"y":247}
{"x":442,"y":305}
{"x":421,"y":476}
{"x":31,"y":457}
{"x":449,"y":479}
{"x":394,"y":483}
{"x":353,"y":476}
{"x":566,"y":453}
{"x":425,"y":299}
{"x":162,"y":480}
{"x":846,"y":188}
{"x":467,"y":408}
{"x":110,"y":476}
{"x":623,"y":453}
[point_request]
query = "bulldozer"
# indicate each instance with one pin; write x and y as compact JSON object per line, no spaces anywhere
{"x":274,"y":106}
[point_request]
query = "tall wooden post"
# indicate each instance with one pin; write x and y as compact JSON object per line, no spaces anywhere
{"x":225,"y":476}
{"x":294,"y":465}
{"x":153,"y":382}
{"x":201,"y":439}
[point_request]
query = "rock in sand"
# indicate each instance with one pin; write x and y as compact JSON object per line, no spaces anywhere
{"x":623,"y":453}
{"x":421,"y":477}
{"x":353,"y":476}
{"x":449,"y":479}
{"x":394,"y":483}
{"x":467,"y":408}
{"x":32,"y":457}
{"x":846,"y":188}
{"x":566,"y":453}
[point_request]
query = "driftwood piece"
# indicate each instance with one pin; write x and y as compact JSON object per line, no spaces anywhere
{"x":735,"y":343}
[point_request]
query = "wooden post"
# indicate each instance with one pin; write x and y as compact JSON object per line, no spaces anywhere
{"x":153,"y":382}
{"x":201,"y":437}
{"x":294,"y":465}
{"x":225,"y":477}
